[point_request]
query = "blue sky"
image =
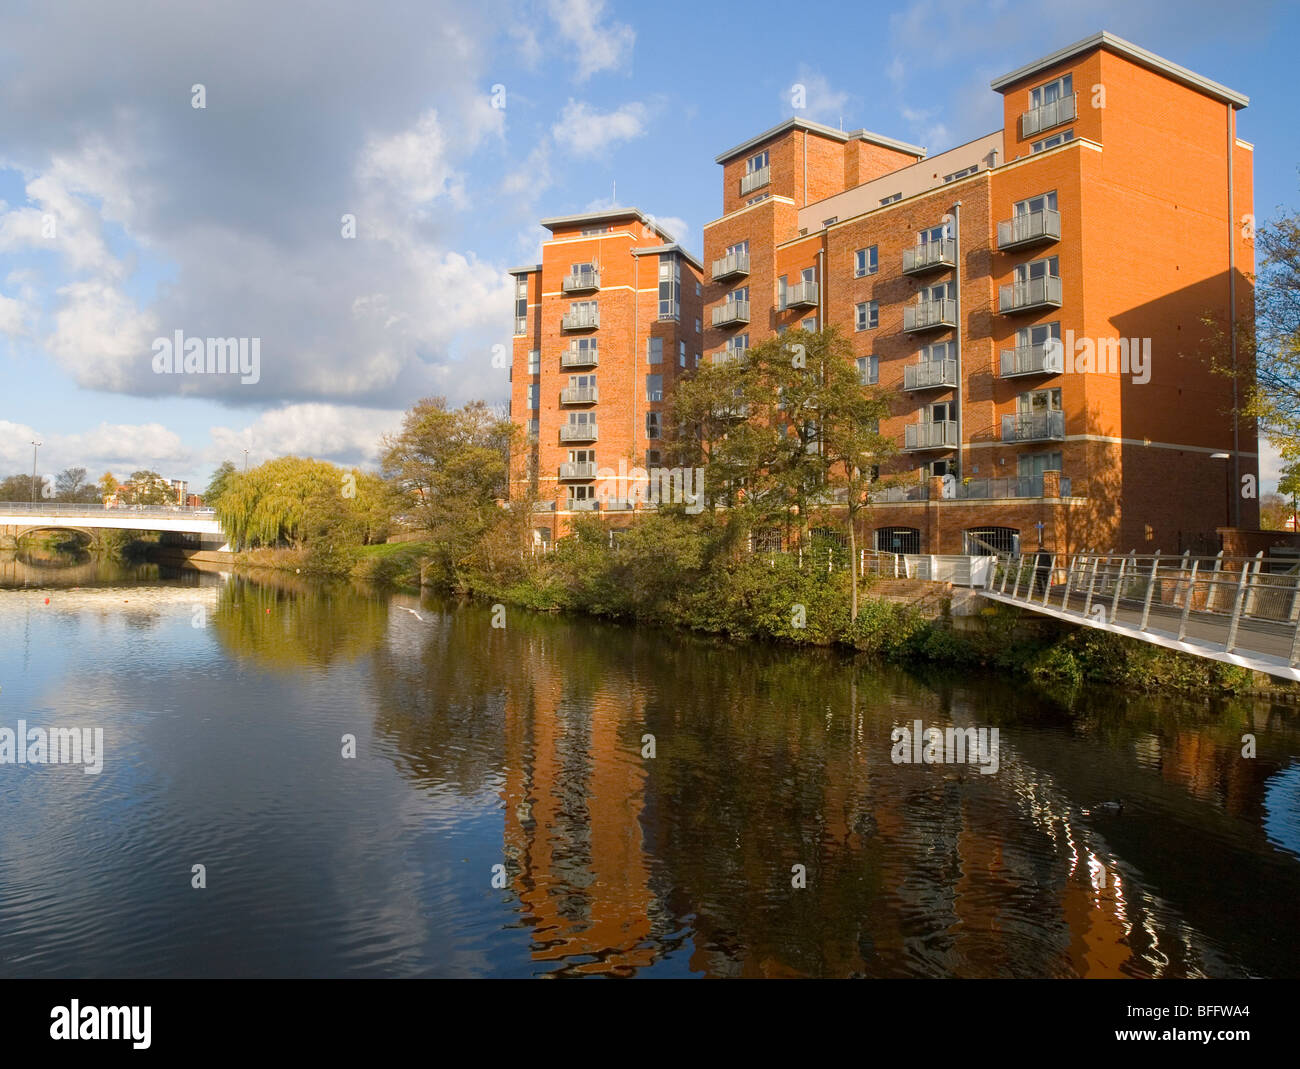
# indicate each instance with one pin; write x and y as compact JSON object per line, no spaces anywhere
{"x":226,"y":221}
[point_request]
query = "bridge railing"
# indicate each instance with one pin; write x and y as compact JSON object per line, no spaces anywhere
{"x":1248,"y":602}
{"x":69,"y":509}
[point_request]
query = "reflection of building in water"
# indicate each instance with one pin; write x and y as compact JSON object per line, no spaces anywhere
{"x":574,"y":796}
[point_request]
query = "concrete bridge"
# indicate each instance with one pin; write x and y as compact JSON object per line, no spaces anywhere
{"x":19,"y":518}
{"x":1239,"y":610}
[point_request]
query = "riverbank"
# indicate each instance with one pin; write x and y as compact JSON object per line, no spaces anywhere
{"x":666,"y":575}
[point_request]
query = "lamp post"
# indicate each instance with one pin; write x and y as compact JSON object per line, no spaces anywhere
{"x":245,"y":459}
{"x":35,"y":446}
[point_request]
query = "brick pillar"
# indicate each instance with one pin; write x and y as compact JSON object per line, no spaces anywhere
{"x":934,"y":536}
{"x":1051,"y":484}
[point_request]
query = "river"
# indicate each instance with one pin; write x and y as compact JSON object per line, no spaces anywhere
{"x":566,"y":796}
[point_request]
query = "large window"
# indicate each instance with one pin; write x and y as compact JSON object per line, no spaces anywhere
{"x":867,"y":315}
{"x":654,"y":387}
{"x":1042,"y":202}
{"x":654,"y":351}
{"x":868,"y":370}
{"x":1052,"y":91}
{"x":652,"y":425}
{"x":670,"y":287}
{"x":1037,"y":269}
{"x":866,"y":261}
{"x":533,"y":397}
{"x":756,"y":163}
{"x":1033,"y":465}
{"x":521,"y":305}
{"x":1037,"y":402}
{"x":942,"y":292}
{"x":534,"y":361}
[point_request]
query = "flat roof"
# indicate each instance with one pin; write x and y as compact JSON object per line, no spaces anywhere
{"x":656,"y":250}
{"x":1138,"y":55}
{"x":523,"y":270}
{"x":606,"y":216}
{"x":825,"y":131}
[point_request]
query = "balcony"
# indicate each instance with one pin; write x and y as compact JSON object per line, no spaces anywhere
{"x":732,"y":266}
{"x":930,"y":256}
{"x":930,"y":375}
{"x":1037,"y":427}
{"x":581,"y":281}
{"x":618,"y":506}
{"x":580,"y":319}
{"x":1033,"y":360}
{"x":895,"y":494}
{"x":1032,"y":294}
{"x":578,"y":395}
{"x":585,"y":504}
{"x":730,"y":312}
{"x":731,"y":355}
{"x":736,"y":411}
{"x":575,"y":469}
{"x":755,"y":180}
{"x":1032,"y":228}
{"x":574,"y":357}
{"x":927,"y":315}
{"x":1046,"y":116}
{"x":577,"y":432}
{"x":802,"y":295}
{"x":1011,"y":486}
{"x":940,"y":435}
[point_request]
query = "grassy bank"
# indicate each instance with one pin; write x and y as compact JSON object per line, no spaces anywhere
{"x":673,"y":572}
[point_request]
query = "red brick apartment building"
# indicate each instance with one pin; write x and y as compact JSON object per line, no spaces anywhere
{"x":1033,"y":300}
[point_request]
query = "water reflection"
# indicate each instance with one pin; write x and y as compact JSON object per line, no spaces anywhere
{"x":524,"y":747}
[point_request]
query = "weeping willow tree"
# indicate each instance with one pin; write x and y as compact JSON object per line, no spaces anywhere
{"x":292,"y":500}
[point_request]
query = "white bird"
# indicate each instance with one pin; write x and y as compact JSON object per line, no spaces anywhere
{"x":412,"y":612}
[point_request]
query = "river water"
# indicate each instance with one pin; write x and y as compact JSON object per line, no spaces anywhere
{"x":502,"y":815}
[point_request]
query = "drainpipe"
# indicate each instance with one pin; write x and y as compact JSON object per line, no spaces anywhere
{"x":956,"y":272}
{"x":1232,"y":323}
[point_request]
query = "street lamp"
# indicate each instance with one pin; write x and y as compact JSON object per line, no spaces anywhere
{"x":245,"y":459}
{"x":35,"y":446}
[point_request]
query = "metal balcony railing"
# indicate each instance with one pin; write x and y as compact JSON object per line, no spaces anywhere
{"x":930,"y":255}
{"x":578,"y":395}
{"x":574,"y":357}
{"x":755,"y":180}
{"x":731,"y":312}
{"x":588,"y":504}
{"x":939,"y":435}
{"x":580,"y":281}
{"x":577,"y":432}
{"x":580,"y":319}
{"x":730,"y":355}
{"x":1031,"y":228}
{"x":930,"y":314}
{"x":1033,"y":360}
{"x":1045,"y":116}
{"x":578,"y":469}
{"x":930,"y":375}
{"x":737,"y":263}
{"x":801,"y":295}
{"x":1036,"y":427}
{"x":1033,"y":293}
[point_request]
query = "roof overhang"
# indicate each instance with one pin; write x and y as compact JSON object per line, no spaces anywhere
{"x":1140,"y":56}
{"x":824,"y":131}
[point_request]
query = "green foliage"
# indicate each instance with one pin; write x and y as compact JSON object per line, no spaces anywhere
{"x":219,"y":483}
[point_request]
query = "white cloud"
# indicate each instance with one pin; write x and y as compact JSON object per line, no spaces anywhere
{"x":341,"y":433}
{"x":101,"y":335}
{"x":599,"y":45}
{"x":822,"y":103}
{"x":588,"y":132}
{"x":119,"y":448}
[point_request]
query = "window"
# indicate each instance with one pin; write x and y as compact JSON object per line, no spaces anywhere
{"x":582,"y":382}
{"x":755,"y":200}
{"x":942,"y":292}
{"x":652,"y":424}
{"x":1052,"y":91}
{"x":1037,"y":269}
{"x":582,"y":493}
{"x":943,"y":412}
{"x":1035,"y":402}
{"x":1053,"y":141}
{"x":582,"y":419}
{"x":1033,"y":465}
{"x":1038,"y":335}
{"x":868,"y":370}
{"x":533,"y":427}
{"x":697,"y":359}
{"x":934,"y":234}
{"x":1043,"y":202}
{"x":670,"y":287}
{"x":756,"y":163}
{"x":738,"y":295}
{"x":653,"y":458}
{"x":697,"y":325}
{"x":741,"y":248}
{"x":866,"y":262}
{"x":944,"y":350}
{"x":654,"y":353}
{"x":585,"y":348}
{"x":521,"y":305}
{"x":534,"y":362}
{"x":941,"y":468}
{"x":654,"y":387}
{"x":582,"y":269}
{"x":681,"y":354}
{"x":533,"y":396}
{"x":898,"y":539}
{"x":592,"y":231}
{"x":964,"y":172}
{"x":891,"y":199}
{"x":832,"y":220}
{"x":868,"y":315}
{"x":809,"y":323}
{"x":582,"y":456}
{"x":698,"y":291}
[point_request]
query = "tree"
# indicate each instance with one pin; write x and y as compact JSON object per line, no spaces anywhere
{"x":147,"y":488}
{"x":19,"y":488}
{"x":107,"y":485}
{"x":449,"y":468}
{"x":219,"y":483}
{"x":71,"y":485}
{"x":1288,"y":486}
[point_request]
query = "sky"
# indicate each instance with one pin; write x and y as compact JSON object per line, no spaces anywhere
{"x":361,"y":176}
